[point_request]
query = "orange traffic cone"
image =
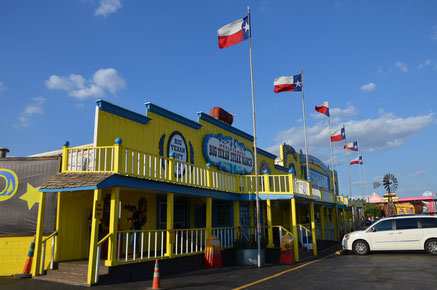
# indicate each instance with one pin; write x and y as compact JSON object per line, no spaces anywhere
{"x":28,"y":265}
{"x":156,"y":281}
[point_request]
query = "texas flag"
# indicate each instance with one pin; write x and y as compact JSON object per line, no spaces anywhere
{"x":324,"y":109}
{"x":288,"y":84}
{"x":234,"y":32}
{"x":358,"y":160}
{"x":338,"y":135}
{"x":351,"y":146}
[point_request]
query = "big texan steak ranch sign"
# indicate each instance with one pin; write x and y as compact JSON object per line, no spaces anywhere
{"x":228,"y":154}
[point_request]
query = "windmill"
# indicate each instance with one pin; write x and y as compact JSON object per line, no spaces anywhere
{"x":390,"y":183}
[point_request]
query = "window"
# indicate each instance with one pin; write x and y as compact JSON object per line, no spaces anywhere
{"x":406,"y":224}
{"x":383,"y":226}
{"x":224,"y":213}
{"x":429,"y":223}
{"x":244,"y":213}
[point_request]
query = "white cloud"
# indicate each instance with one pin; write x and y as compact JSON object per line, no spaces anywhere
{"x":107,"y":7}
{"x":402,"y":66}
{"x":368,"y":87}
{"x":425,"y":64}
{"x":433,"y":35}
{"x":337,"y":113}
{"x":80,"y":88}
{"x":35,"y":107}
{"x":380,"y":134}
{"x":2,"y":87}
{"x":418,"y":173}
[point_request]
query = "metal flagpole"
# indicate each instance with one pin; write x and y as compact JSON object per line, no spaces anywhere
{"x":332,"y":157}
{"x":349,"y":175}
{"x":365,"y":178}
{"x":305,"y":125}
{"x":359,"y":166}
{"x":258,"y":224}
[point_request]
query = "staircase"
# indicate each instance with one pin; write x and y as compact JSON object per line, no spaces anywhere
{"x":72,"y":272}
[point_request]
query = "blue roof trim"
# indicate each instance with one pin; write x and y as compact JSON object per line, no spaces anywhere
{"x":224,"y":126}
{"x":280,"y":167}
{"x":172,"y":116}
{"x":69,"y":189}
{"x":121,"y":112}
{"x":265,"y":153}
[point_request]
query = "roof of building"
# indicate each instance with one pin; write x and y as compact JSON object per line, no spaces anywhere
{"x":76,"y":179}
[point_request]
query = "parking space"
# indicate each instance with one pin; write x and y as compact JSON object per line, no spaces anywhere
{"x":380,"y":270}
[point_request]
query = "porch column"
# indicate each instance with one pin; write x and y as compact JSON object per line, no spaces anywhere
{"x":327,"y":223}
{"x":209,"y":216}
{"x":58,"y":210}
{"x":269,"y":223}
{"x":94,"y":238}
{"x":36,"y":267}
{"x":113,"y":227}
{"x":322,"y":221}
{"x":252,"y":219}
{"x":294,"y":229}
{"x":343,"y":221}
{"x":313,"y":228}
{"x":335,"y":221}
{"x":170,"y":222}
{"x":236,"y":206}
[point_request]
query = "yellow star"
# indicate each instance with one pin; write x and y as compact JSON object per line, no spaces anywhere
{"x":31,"y":196}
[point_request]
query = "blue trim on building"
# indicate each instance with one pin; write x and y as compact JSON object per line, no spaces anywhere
{"x":280,"y":167}
{"x":224,"y":126}
{"x":265,"y":153}
{"x":69,"y":189}
{"x":172,"y":116}
{"x":121,"y":112}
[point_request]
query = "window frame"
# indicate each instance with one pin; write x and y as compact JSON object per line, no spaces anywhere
{"x":409,"y":218}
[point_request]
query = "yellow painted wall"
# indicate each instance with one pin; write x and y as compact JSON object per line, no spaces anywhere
{"x":74,"y":230}
{"x":13,"y":254}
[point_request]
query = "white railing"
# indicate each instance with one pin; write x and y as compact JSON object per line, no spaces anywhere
{"x":305,"y":236}
{"x":139,"y":245}
{"x":227,"y":236}
{"x":52,"y":251}
{"x":223,"y":181}
{"x":279,"y":183}
{"x":300,"y":186}
{"x":95,"y":159}
{"x":189,"y":241}
{"x":247,"y":183}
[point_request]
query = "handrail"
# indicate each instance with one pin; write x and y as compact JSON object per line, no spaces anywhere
{"x":49,"y":236}
{"x":104,"y":239}
{"x":284,"y":229}
{"x":305,"y":228}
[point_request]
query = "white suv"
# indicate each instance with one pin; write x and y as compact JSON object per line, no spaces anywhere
{"x":408,"y":232}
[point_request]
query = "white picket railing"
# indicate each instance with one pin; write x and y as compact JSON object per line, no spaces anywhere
{"x":305,"y":236}
{"x":95,"y":159}
{"x":227,"y":236}
{"x":189,"y":241}
{"x":279,"y":183}
{"x":139,"y":245}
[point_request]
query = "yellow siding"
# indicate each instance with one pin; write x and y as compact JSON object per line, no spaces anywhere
{"x":74,"y":230}
{"x":13,"y":254}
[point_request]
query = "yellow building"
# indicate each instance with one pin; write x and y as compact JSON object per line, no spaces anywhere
{"x":156,"y":186}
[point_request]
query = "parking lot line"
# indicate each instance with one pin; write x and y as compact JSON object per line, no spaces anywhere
{"x":279,"y":274}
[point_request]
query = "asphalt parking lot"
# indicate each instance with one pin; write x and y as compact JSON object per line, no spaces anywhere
{"x":382,"y":270}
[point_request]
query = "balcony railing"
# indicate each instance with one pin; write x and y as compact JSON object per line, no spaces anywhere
{"x":123,"y":160}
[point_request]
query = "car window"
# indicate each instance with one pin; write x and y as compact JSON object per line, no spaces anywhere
{"x":405,"y":224}
{"x":429,"y":223}
{"x":383,"y":226}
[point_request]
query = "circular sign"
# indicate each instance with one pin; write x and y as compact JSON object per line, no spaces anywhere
{"x":178,"y":146}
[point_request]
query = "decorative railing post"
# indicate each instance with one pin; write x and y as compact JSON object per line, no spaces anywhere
{"x":171,"y":167}
{"x":237,"y":183}
{"x":266,"y":181}
{"x":291,"y":181}
{"x":117,"y":155}
{"x":309,"y":188}
{"x":65,"y":156}
{"x":208,"y":175}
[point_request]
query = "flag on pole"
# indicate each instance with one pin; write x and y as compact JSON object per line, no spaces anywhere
{"x":288,"y":84}
{"x":358,"y":160}
{"x":234,"y":32}
{"x":323,"y":109}
{"x":338,"y":135}
{"x":351,"y":146}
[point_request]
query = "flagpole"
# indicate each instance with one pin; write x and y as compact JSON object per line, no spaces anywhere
{"x":332,"y":156}
{"x":258,"y":224}
{"x":359,"y":167}
{"x":365,"y":178}
{"x":305,"y":125}
{"x":349,"y":176}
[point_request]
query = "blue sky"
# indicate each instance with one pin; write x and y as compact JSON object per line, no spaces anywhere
{"x":375,"y":62}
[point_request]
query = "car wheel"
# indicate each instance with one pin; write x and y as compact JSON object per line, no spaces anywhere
{"x":431,"y":246}
{"x":360,"y":247}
